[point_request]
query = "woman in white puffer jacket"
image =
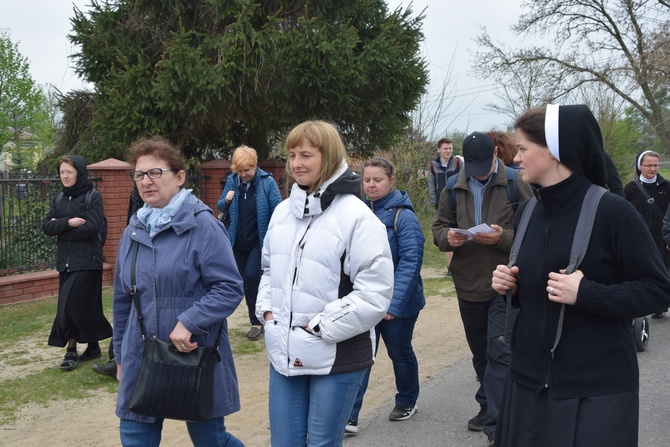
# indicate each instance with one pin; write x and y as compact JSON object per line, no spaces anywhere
{"x":327,"y":281}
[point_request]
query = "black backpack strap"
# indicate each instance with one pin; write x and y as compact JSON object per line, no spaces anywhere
{"x":580,"y":242}
{"x":650,"y":200}
{"x":510,"y":187}
{"x":451,"y":194}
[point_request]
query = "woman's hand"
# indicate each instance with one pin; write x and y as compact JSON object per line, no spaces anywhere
{"x":229,"y":196}
{"x":118,"y":372}
{"x":267,"y":316}
{"x":389,"y":317}
{"x":504,"y":279}
{"x":181,"y":338}
{"x":76,"y":222}
{"x":563,"y":288}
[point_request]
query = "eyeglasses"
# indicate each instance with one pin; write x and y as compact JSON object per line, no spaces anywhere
{"x":650,"y":166}
{"x":152,"y":173}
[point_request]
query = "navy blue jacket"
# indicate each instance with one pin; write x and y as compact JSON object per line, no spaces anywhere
{"x":407,"y":251}
{"x":267,"y":199}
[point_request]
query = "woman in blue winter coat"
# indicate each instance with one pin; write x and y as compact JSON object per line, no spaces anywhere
{"x":250,"y":197}
{"x":187,"y":285}
{"x":406,"y":239}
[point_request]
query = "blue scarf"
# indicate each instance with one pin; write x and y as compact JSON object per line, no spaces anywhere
{"x":157,"y":219}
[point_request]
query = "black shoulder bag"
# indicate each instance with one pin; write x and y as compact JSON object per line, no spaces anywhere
{"x":172,"y":384}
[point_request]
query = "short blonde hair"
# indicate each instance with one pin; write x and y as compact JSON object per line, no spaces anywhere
{"x":325,"y":137}
{"x":244,"y":156}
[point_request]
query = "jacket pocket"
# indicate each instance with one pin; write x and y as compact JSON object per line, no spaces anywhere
{"x":309,"y":354}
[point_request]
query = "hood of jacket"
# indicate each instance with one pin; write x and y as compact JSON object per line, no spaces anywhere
{"x":344,"y":181}
{"x":394,"y":199}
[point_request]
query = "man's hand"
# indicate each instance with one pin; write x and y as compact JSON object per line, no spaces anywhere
{"x":456,"y":239}
{"x":489,"y":238}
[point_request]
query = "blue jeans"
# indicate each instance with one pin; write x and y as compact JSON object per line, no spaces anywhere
{"x":249,"y":266}
{"x":203,"y":434}
{"x":311,"y":410}
{"x":397,"y":335}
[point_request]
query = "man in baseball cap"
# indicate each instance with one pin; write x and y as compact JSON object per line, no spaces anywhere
{"x":480,"y":196}
{"x":478,"y":151}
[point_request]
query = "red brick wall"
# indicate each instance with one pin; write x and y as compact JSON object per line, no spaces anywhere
{"x":115,"y":188}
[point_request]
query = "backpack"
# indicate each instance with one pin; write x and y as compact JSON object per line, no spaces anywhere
{"x":102,"y":234}
{"x":510,"y":187}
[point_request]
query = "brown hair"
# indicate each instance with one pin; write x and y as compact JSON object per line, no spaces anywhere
{"x":531,"y":123}
{"x":323,"y":136}
{"x":379,"y":162}
{"x":506,"y":148}
{"x":444,"y":140}
{"x":160,"y":148}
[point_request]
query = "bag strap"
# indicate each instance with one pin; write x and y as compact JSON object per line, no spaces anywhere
{"x":650,"y":200}
{"x":580,"y":242}
{"x":133,"y":293}
{"x":133,"y":289}
{"x":395,"y":220}
{"x":514,"y":254}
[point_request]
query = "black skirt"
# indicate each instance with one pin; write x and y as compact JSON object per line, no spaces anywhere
{"x":79,"y":315}
{"x":531,"y":419}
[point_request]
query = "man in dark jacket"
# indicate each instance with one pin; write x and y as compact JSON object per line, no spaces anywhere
{"x":481,"y":198}
{"x":439,"y":170}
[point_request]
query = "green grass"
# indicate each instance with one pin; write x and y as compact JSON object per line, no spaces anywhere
{"x":26,"y":326}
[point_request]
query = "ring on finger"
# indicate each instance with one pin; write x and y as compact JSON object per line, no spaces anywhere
{"x":551,"y":292}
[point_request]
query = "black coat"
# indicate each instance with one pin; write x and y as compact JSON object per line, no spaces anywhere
{"x":78,"y":248}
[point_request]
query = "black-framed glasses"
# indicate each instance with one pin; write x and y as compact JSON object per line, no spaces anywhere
{"x":152,"y":173}
{"x":650,"y":166}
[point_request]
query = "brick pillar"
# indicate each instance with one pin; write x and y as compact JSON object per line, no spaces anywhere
{"x":115,"y":188}
{"x":278,"y":170}
{"x":211,"y":187}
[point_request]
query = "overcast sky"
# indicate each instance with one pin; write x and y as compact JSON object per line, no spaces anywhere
{"x":41,"y":28}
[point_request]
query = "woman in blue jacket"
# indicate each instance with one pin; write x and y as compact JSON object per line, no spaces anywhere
{"x":406,"y":239}
{"x":250,"y":197}
{"x":187,"y":286}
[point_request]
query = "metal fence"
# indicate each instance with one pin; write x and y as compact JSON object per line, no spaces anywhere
{"x":25,"y":200}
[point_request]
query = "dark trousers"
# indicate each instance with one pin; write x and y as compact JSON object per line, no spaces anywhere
{"x":484,"y":324}
{"x":397,"y":335}
{"x":249,"y":266}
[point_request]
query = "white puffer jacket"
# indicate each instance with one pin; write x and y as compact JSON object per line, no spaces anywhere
{"x":329,"y":269}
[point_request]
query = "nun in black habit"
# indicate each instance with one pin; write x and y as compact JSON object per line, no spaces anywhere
{"x":586,"y":392}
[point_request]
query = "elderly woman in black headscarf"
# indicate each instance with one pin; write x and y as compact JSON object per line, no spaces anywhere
{"x":575,"y":381}
{"x":76,"y":217}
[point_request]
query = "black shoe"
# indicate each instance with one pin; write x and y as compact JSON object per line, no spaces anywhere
{"x":402,"y":413}
{"x":477,"y":422}
{"x":90,"y":354}
{"x":106,"y":369}
{"x":659,"y":314}
{"x":70,"y":362}
{"x":448,"y":275}
{"x":255,"y":332}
